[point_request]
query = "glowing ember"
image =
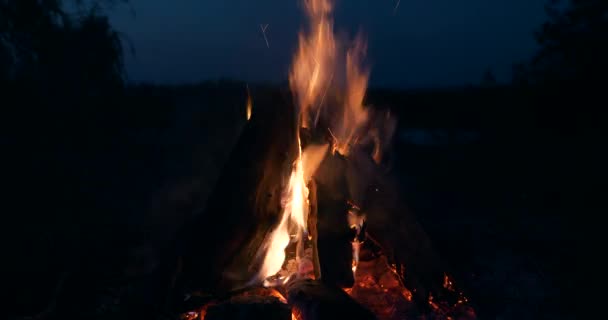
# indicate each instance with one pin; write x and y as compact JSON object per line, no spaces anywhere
{"x":265,"y":292}
{"x":356,"y":221}
{"x":242,"y":296}
{"x":447,"y":283}
{"x":432,"y":303}
{"x":295,"y":314}
{"x":444,"y":308}
{"x":356,"y":247}
{"x":378,"y":288}
{"x":191,"y":316}
{"x":203,"y":312}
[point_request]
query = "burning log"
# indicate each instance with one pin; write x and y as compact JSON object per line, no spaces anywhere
{"x":312,"y":227}
{"x":379,"y":288}
{"x":395,"y":228}
{"x":334,"y":234}
{"x":260,"y":205}
{"x":249,"y":307}
{"x":359,"y":179}
{"x":313,"y":300}
{"x":218,"y":247}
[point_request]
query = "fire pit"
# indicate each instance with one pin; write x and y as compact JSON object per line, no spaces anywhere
{"x":305,"y":219}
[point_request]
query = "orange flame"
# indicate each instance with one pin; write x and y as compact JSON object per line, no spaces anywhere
{"x":317,"y":69}
{"x":249,"y":105}
{"x":296,"y":314}
{"x":317,"y":75}
{"x":295,"y":211}
{"x":294,"y":219}
{"x":315,"y":59}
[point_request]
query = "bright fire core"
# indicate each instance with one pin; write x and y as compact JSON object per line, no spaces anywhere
{"x":329,"y":85}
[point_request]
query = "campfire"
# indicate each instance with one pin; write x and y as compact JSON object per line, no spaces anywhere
{"x":292,"y":231}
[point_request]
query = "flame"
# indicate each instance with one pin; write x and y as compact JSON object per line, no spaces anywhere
{"x":355,"y":221}
{"x":311,"y":158}
{"x":314,"y":61}
{"x":249,"y":105}
{"x":296,"y":314}
{"x":203,"y":311}
{"x":294,"y":216}
{"x":317,"y":69}
{"x":278,"y":295}
{"x":324,"y":72}
{"x":356,"y":248}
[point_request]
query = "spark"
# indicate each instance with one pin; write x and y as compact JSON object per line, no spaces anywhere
{"x":333,"y":136}
{"x":263,"y":27}
{"x":323,"y":99}
{"x":396,"y":6}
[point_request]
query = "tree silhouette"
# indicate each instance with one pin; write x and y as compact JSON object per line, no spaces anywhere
{"x":565,"y":78}
{"x":573,"y":43}
{"x":41,"y":43}
{"x":61,"y":78}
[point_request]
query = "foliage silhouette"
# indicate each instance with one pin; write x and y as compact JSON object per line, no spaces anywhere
{"x":62,"y":83}
{"x":573,"y":44}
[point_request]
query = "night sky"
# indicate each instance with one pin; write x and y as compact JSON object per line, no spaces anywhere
{"x":423,"y":43}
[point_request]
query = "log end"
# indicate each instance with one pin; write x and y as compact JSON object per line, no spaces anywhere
{"x":314,"y":300}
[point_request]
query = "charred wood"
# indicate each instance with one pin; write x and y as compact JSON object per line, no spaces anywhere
{"x":394,"y":228}
{"x":312,"y":227}
{"x":218,"y":247}
{"x":334,"y":234}
{"x":314,"y":300}
{"x":249,"y":307}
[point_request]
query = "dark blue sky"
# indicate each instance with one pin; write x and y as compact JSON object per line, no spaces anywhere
{"x":423,"y":43}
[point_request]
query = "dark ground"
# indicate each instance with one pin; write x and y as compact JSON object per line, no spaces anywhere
{"x":491,"y":179}
{"x":496,"y":191}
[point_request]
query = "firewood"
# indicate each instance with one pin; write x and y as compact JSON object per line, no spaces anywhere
{"x":395,"y":228}
{"x":334,"y":234}
{"x":249,"y":307}
{"x":312,"y":227}
{"x":314,"y":300}
{"x":218,"y":247}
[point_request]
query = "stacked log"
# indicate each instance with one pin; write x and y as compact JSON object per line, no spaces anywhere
{"x":334,"y":234}
{"x":314,"y":300}
{"x":249,"y":307}
{"x":218,"y":247}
